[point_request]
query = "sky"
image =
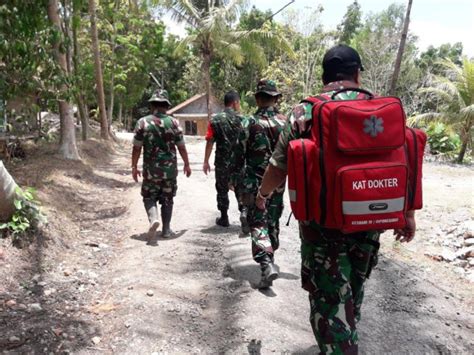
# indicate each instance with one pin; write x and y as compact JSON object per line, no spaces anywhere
{"x":434,"y":21}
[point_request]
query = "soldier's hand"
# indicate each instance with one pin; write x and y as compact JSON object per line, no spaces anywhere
{"x":187,"y":170}
{"x":406,"y":234}
{"x":261,"y":202}
{"x":206,"y":168}
{"x":136,"y":173}
{"x":231,"y":187}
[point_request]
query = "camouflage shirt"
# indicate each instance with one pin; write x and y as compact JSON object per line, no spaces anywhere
{"x":256,"y":144}
{"x":226,"y":127}
{"x":159,"y":135}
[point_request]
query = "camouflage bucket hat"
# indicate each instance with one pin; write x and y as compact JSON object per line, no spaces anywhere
{"x":160,"y":96}
{"x":267,"y":87}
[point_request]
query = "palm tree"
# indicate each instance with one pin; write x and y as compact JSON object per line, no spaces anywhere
{"x":455,"y":91}
{"x":213,"y":36}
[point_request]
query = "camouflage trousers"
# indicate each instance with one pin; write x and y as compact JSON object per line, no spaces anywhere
{"x":333,"y":271}
{"x":264,"y":224}
{"x":222,"y":187}
{"x":162,"y":191}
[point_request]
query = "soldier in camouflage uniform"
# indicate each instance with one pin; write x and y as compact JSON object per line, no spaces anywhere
{"x":224,"y":129}
{"x":159,"y":135}
{"x":256,"y":144}
{"x":334,"y":265}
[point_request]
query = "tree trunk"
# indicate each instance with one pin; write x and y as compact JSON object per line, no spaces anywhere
{"x":401,"y":49}
{"x":120,"y":114}
{"x":68,"y":146}
{"x":110,"y":111}
{"x":83,"y":114}
{"x":465,"y":138}
{"x":67,"y":34}
{"x":130,"y":121}
{"x":7,"y":194}
{"x":462,"y":152}
{"x":206,"y":71}
{"x":84,"y":118}
{"x":104,"y":129}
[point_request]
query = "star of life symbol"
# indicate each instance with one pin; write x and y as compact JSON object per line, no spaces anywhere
{"x":373,"y":126}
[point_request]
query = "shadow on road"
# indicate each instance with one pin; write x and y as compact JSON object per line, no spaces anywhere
{"x":221,"y":230}
{"x":411,"y":314}
{"x":255,"y":347}
{"x":144,"y":238}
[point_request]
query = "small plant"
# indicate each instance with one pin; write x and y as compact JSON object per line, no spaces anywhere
{"x":27,"y":216}
{"x":442,"y":139}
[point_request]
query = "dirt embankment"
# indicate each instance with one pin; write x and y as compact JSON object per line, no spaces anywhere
{"x":90,"y":284}
{"x":47,"y":288}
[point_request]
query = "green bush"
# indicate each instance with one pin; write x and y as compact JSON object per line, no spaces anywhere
{"x":27,"y":214}
{"x":442,"y":139}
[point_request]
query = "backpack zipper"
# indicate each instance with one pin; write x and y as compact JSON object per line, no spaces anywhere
{"x":415,"y":178}
{"x":322,"y":169}
{"x":305,"y":179}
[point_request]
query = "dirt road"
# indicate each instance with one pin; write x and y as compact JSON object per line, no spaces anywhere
{"x":193,"y":294}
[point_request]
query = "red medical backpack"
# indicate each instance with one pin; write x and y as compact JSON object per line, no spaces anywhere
{"x":359,"y":166}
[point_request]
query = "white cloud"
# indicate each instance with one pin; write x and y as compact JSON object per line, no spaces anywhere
{"x":435,"y":33}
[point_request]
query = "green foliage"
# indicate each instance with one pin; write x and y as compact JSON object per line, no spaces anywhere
{"x":454,"y":92}
{"x":27,"y":214}
{"x":254,"y":18}
{"x":377,"y":42}
{"x":213,"y":37}
{"x":429,"y":60}
{"x":228,"y":45}
{"x":171,"y":68}
{"x":442,"y":139}
{"x":299,"y":76}
{"x":350,"y":23}
{"x":26,"y":60}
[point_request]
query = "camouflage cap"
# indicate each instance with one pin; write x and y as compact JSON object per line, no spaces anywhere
{"x":160,"y":96}
{"x":267,"y":87}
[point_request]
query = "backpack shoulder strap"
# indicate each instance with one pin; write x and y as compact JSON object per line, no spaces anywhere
{"x":281,"y":117}
{"x":304,"y":127}
{"x":315,"y":99}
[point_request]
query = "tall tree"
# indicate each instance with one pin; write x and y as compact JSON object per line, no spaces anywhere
{"x":378,"y":42}
{"x":455,"y":90}
{"x":401,"y":49}
{"x":76,"y":59}
{"x":132,"y":46}
{"x":68,"y":147}
{"x":351,"y":22}
{"x":27,"y":66}
{"x":429,"y":59}
{"x":211,"y":34}
{"x":104,"y":127}
{"x":114,"y":13}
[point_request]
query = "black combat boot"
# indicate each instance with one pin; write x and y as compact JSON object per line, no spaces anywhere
{"x":269,"y":272}
{"x":152,"y":212}
{"x":166,"y":213}
{"x":244,"y":224}
{"x":223,"y":220}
